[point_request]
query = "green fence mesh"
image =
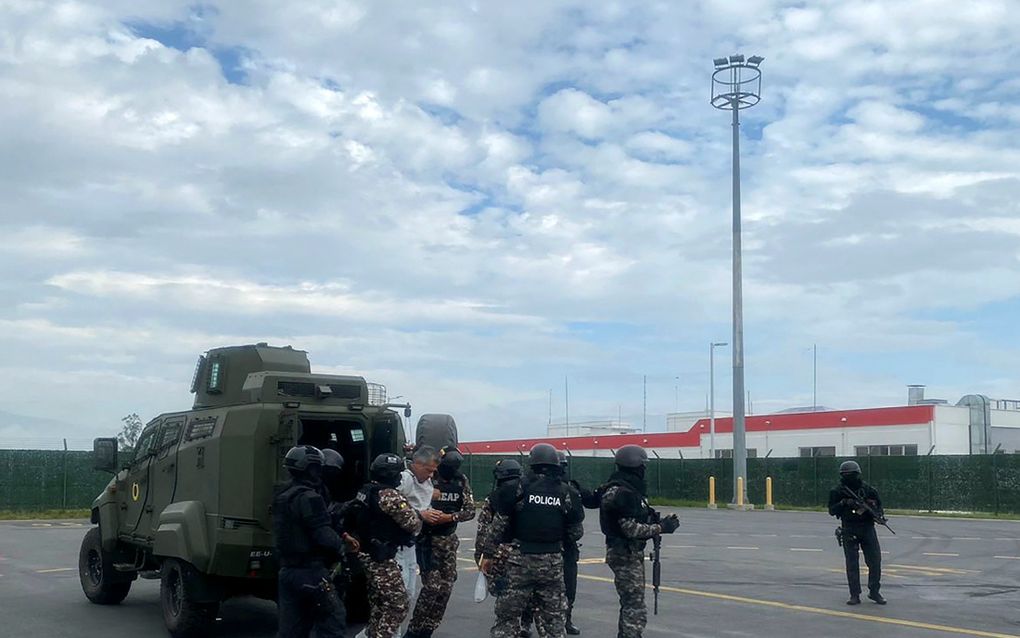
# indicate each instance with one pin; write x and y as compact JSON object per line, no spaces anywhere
{"x":46,"y":479}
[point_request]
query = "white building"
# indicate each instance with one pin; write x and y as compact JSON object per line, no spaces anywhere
{"x":976,"y":425}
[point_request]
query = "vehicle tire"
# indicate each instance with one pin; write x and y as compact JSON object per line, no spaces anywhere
{"x":184,"y":617}
{"x":99,"y":581}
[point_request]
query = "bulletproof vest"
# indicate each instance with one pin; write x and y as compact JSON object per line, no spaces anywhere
{"x":377,"y":528}
{"x":633,"y":506}
{"x":449,"y":501}
{"x":539,"y":520}
{"x":293,"y":543}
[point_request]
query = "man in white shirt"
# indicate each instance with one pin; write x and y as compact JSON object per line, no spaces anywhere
{"x":416,"y":486}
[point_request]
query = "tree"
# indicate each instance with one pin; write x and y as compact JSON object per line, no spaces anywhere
{"x":129,"y":432}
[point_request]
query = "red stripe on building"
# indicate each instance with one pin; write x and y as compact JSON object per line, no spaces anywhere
{"x":871,"y":417}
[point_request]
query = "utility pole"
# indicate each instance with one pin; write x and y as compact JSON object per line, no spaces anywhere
{"x":644,"y":403}
{"x":566,"y":403}
{"x":814,"y":381}
{"x":736,"y":85}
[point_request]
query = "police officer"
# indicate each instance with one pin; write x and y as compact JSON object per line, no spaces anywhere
{"x":305,"y":544}
{"x":857,"y":530}
{"x":383,"y":521}
{"x":437,"y":555}
{"x":536,"y":516}
{"x":628,"y":522}
{"x":505,"y":472}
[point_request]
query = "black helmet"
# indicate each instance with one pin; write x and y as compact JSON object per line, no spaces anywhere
{"x":506,"y":469}
{"x":386,"y":467}
{"x":450,"y":457}
{"x":302,"y":457}
{"x":631,"y":456}
{"x":332,"y":459}
{"x":543,"y":454}
{"x":849,"y":467}
{"x":563,"y":458}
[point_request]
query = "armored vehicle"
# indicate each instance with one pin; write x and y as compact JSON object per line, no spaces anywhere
{"x":192,"y":505}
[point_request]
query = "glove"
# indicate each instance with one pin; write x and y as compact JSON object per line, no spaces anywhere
{"x":849,"y":502}
{"x":670,"y":524}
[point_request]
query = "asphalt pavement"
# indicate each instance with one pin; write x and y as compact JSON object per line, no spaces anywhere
{"x":724,"y":574}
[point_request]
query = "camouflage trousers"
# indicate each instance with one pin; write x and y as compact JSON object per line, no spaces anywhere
{"x":529,"y":576}
{"x":628,"y":567}
{"x":498,"y":571}
{"x":387,"y":597}
{"x":437,"y":583}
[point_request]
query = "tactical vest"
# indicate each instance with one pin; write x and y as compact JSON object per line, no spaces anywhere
{"x":294,"y":546}
{"x":378,"y":533}
{"x":450,"y":501}
{"x":539,"y":520}
{"x":610,"y":513}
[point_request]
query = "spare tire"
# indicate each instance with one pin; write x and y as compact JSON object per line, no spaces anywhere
{"x":436,"y":431}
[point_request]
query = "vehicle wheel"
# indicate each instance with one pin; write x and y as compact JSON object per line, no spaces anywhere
{"x":99,"y":581}
{"x":184,"y":617}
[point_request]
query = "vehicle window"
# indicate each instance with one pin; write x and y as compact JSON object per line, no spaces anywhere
{"x":145,"y":441}
{"x":170,"y":433}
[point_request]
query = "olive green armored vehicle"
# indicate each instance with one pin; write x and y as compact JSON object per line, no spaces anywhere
{"x":192,"y":507}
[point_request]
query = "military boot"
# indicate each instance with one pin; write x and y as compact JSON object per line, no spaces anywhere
{"x":855,"y":599}
{"x":877,"y":597}
{"x":569,"y":626}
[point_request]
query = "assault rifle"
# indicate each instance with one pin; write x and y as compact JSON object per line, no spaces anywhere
{"x":656,"y":565}
{"x":864,"y":506}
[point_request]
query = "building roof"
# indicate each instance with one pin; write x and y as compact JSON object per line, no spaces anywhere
{"x":870,"y":417}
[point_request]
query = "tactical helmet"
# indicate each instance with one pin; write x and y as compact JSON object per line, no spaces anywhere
{"x":506,"y":469}
{"x":631,"y":456}
{"x":301,"y":457}
{"x":563,"y":458}
{"x":543,"y":454}
{"x":386,"y":466}
{"x":332,"y":459}
{"x":450,"y":457}
{"x":849,"y":467}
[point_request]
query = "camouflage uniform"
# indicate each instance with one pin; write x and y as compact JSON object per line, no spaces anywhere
{"x":387,"y":596}
{"x":500,"y":555}
{"x":626,"y":559}
{"x":437,"y":582}
{"x":533,"y":575}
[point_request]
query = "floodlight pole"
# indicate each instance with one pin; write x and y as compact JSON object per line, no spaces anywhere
{"x":733,"y":90}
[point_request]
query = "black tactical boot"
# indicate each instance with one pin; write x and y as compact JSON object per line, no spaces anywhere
{"x":525,"y":632}
{"x":571,"y":628}
{"x":855,"y":599}
{"x":877,"y":597}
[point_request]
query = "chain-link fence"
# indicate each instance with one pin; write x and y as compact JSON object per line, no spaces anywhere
{"x":50,"y":479}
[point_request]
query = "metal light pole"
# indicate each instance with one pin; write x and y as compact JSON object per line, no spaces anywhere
{"x":711,"y":395}
{"x":736,"y":85}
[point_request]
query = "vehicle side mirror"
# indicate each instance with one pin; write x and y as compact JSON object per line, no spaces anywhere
{"x":104,"y":455}
{"x":407,"y":412}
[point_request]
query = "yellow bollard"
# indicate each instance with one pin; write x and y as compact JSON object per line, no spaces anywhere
{"x":740,"y":491}
{"x":768,"y":494}
{"x":711,"y":493}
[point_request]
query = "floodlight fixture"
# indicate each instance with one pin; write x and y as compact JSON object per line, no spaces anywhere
{"x":755,"y":60}
{"x":736,"y":59}
{"x":721,"y":62}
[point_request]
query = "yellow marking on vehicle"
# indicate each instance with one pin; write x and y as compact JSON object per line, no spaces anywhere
{"x":902,"y":622}
{"x":136,"y":491}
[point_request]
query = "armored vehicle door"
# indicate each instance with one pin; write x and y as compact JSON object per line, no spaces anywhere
{"x":347,"y":436}
{"x":136,"y":484}
{"x":164,"y":467}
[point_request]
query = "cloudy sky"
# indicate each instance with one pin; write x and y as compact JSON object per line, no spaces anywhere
{"x":471,"y":201}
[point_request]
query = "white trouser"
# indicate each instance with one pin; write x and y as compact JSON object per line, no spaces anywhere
{"x":407,"y":559}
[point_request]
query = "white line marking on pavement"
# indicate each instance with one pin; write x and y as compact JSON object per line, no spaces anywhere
{"x":684,"y":534}
{"x":724,"y":534}
{"x":804,"y":549}
{"x":803,"y":536}
{"x":925,"y":538}
{"x":765,"y":535}
{"x":58,"y":569}
{"x":739,"y":547}
{"x":966,"y":538}
{"x":939,"y":554}
{"x":681,"y":546}
{"x":1007,"y":539}
{"x":1007,"y":557}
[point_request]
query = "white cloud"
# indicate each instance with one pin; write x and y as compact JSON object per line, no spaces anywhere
{"x":485,"y":198}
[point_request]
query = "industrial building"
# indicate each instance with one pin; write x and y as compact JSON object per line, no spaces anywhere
{"x":976,"y":424}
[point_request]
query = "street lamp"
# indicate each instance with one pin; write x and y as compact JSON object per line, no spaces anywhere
{"x":736,"y":85}
{"x":711,"y":395}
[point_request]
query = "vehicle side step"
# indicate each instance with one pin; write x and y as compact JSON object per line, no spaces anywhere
{"x":149,"y":574}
